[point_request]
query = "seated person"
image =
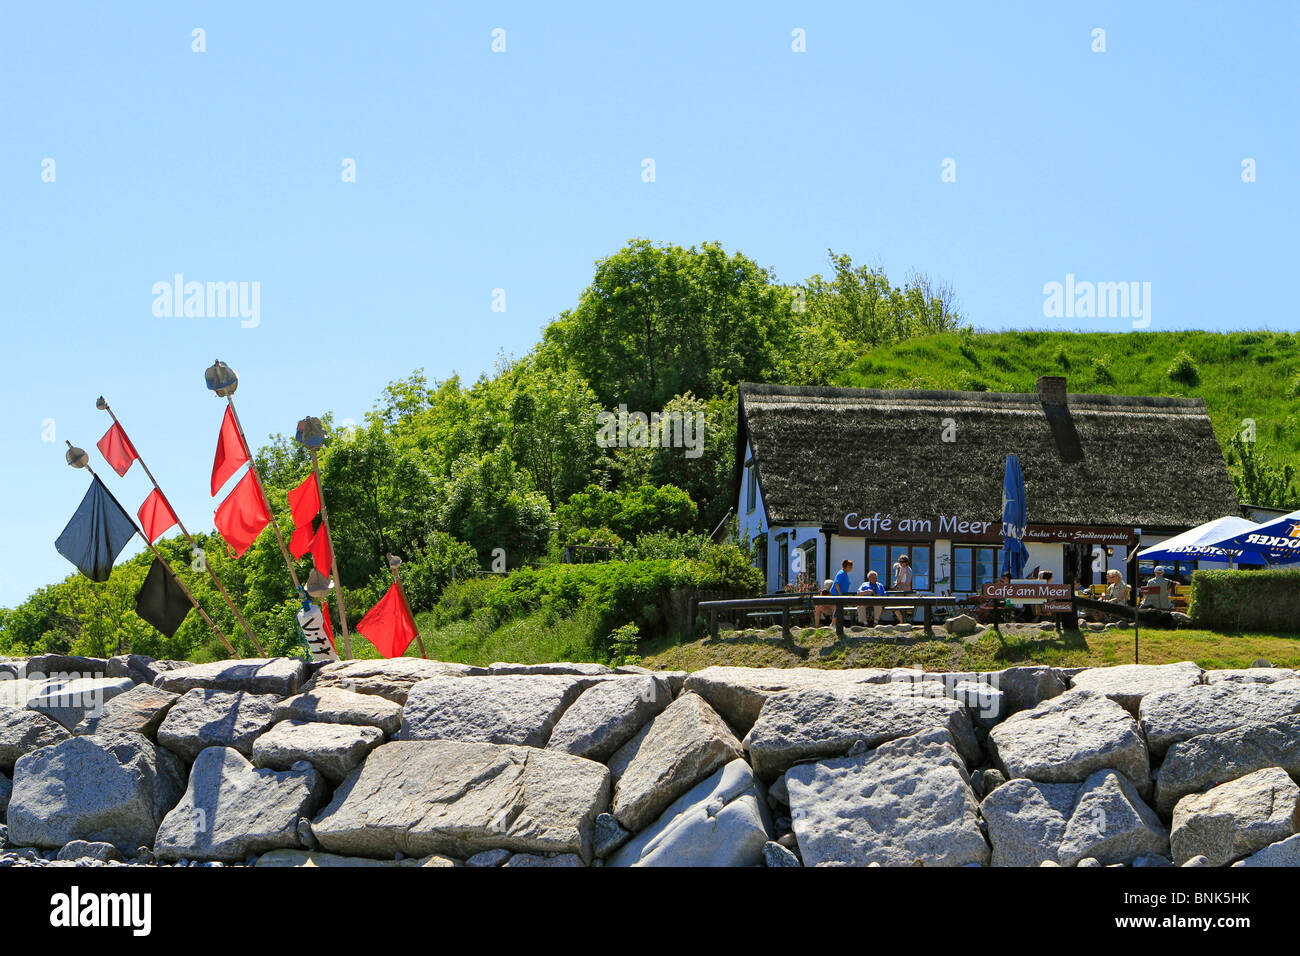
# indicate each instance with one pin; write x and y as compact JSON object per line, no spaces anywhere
{"x":869,"y":614}
{"x":1116,"y":593}
{"x":824,"y":609}
{"x":1160,"y":599}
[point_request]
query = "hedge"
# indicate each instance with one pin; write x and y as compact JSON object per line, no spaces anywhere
{"x":1265,"y":600}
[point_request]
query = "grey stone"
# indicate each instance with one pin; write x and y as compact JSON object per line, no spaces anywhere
{"x":1024,"y":688}
{"x":1127,"y":684}
{"x":559,"y":669}
{"x":17,"y":691}
{"x":985,"y":703}
{"x":1088,"y":862}
{"x":534,"y":859}
{"x":1027,"y":821}
{"x":722,"y":821}
{"x":815,"y":723}
{"x":907,"y":801}
{"x":1282,"y":853}
{"x":774,"y":855}
{"x":11,"y":668}
{"x":1250,"y":675}
{"x":1237,"y":818}
{"x":141,"y":710}
{"x":1168,"y":718}
{"x":608,"y":835}
{"x":667,"y":757}
{"x":69,"y":702}
{"x":738,"y":693}
{"x":960,"y":624}
{"x":391,"y":679}
{"x":231,"y":809}
{"x":68,"y":665}
{"x":6,"y":789}
{"x":311,"y":859}
{"x":488,"y":858}
{"x":333,"y":705}
{"x":82,"y":850}
{"x":607,"y":715}
{"x":1153,"y":859}
{"x":1068,"y":739}
{"x":139,"y":668}
{"x":991,"y":779}
{"x":272,"y":675}
{"x":1111,"y":823}
{"x":1192,"y":765}
{"x":422,"y":797}
{"x":333,"y":749}
{"x":112,"y":789}
{"x":216,"y":718}
{"x":495,"y":710}
{"x":22,"y":731}
{"x":1198,"y":860}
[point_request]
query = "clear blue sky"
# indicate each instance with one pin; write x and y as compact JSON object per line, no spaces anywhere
{"x":478,"y":170}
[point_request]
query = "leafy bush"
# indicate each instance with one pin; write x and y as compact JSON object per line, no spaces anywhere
{"x":1101,"y":370}
{"x":1062,"y":357}
{"x":623,"y":646}
{"x":628,"y":513}
{"x":1184,"y":370}
{"x":1264,"y":600}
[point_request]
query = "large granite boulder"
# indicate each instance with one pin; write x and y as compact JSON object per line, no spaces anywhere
{"x":1111,"y":823}
{"x":1195,"y":764}
{"x":815,"y":723}
{"x":273,"y":675}
{"x":721,"y":821}
{"x":141,"y":710}
{"x":561,"y":669}
{"x":1069,"y":738}
{"x":310,"y":860}
{"x":490,"y":710}
{"x":670,"y":755}
{"x":1172,"y":716}
{"x":1235,"y":819}
{"x":738,"y":693}
{"x":231,"y":811}
{"x":607,"y":715}
{"x":1027,"y":821}
{"x":1251,"y":675}
{"x":111,"y":789}
{"x":138,"y":667}
{"x":69,"y":666}
{"x":216,"y":718}
{"x":391,"y":679}
{"x":333,"y":705}
{"x":908,"y":801}
{"x":1127,"y":684}
{"x":444,"y":796}
{"x":1283,"y":853}
{"x":332,"y":749}
{"x":22,"y":731}
{"x":1024,"y":688}
{"x":16,"y":691}
{"x":71,"y":702}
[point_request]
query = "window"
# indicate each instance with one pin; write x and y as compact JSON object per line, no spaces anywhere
{"x":973,"y":567}
{"x":881,"y":558}
{"x":751,"y":487}
{"x":783,"y":561}
{"x":806,"y":560}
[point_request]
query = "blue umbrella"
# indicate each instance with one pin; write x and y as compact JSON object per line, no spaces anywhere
{"x":1277,"y":541}
{"x":1014,"y":521}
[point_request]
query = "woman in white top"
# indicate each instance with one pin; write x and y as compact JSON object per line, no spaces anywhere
{"x":903,"y":581}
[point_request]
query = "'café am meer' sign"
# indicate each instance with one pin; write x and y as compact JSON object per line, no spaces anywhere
{"x":1030,"y":591}
{"x":888,"y":527}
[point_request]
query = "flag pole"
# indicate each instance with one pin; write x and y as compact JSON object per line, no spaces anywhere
{"x":101,"y":403}
{"x":79,"y":459}
{"x":221,"y":378}
{"x":310,"y":434}
{"x":393,"y":563}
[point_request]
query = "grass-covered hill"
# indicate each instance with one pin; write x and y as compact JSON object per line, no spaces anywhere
{"x":1240,"y":375}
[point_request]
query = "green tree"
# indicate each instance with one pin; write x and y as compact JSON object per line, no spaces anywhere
{"x":1258,"y":479}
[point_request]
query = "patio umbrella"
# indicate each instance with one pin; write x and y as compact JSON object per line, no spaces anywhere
{"x":1014,"y":552}
{"x":1205,"y":541}
{"x":1276,"y":541}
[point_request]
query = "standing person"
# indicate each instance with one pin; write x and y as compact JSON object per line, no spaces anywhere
{"x":842,"y":584}
{"x":868,"y":614}
{"x":902,"y":580}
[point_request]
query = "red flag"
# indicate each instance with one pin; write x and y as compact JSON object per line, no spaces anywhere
{"x":325,"y":614}
{"x":304,"y":503}
{"x":231,"y":452}
{"x":320,"y":550}
{"x":156,"y":515}
{"x":117,"y":449}
{"x":242,"y":516}
{"x":388,"y":625}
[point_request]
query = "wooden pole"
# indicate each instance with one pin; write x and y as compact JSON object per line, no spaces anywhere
{"x":167,"y":567}
{"x":190,"y":538}
{"x":284,"y":550}
{"x":334,"y":565}
{"x":393,"y":562}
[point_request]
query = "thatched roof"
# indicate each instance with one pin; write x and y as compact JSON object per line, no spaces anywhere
{"x":820,"y":452}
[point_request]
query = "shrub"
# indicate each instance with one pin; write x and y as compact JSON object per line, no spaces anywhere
{"x":1062,"y":357}
{"x":1265,"y":600}
{"x":623,"y":646}
{"x":1184,"y":370}
{"x":1101,"y":369}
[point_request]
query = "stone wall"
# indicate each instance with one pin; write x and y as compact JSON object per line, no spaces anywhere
{"x":425,"y":763}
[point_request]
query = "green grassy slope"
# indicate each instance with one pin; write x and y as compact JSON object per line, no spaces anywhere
{"x":1242,"y":375}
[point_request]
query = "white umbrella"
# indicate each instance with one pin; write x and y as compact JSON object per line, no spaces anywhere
{"x":1207,"y":541}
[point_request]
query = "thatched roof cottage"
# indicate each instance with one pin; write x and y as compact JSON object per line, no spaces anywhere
{"x":824,"y":474}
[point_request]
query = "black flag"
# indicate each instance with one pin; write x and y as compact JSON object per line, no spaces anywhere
{"x":96,"y":534}
{"x":161,"y":601}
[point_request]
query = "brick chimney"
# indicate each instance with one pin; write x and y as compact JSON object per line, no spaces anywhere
{"x":1051,"y":390}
